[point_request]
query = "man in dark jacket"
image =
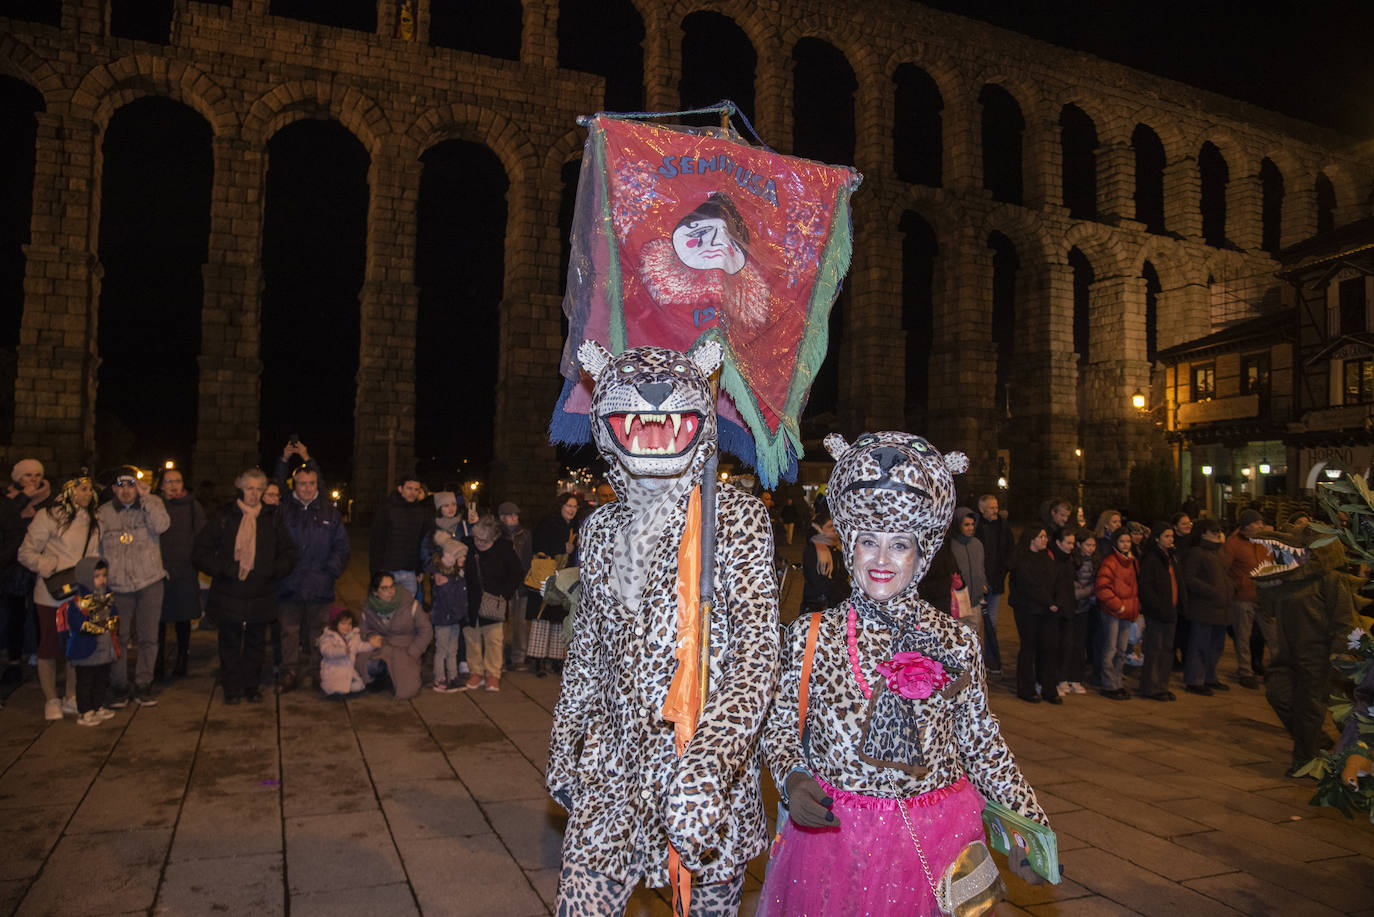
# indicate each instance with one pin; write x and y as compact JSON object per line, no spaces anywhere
{"x":1210,"y":594}
{"x":1162,"y":594}
{"x":995,"y":534}
{"x":26,"y":492}
{"x":401,"y":523}
{"x":304,"y":596}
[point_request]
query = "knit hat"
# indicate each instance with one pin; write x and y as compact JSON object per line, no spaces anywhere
{"x":1135,"y":528}
{"x":507,"y":509}
{"x":444,"y":498}
{"x":25,"y":466}
{"x":1249,"y":516}
{"x":336,"y":612}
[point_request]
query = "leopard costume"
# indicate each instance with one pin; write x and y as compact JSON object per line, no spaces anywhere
{"x":612,"y":762}
{"x":897,"y":483}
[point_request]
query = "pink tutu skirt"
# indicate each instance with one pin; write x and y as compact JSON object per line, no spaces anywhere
{"x":869,"y":864}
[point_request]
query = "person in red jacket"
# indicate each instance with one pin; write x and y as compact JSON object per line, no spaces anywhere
{"x":1241,"y":555}
{"x":1118,"y":602}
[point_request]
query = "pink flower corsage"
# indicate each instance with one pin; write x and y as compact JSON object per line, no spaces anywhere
{"x":913,"y":675}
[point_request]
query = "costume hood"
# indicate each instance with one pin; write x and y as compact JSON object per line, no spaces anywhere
{"x":893,"y":482}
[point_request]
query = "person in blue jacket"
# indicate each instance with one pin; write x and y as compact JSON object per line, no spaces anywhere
{"x":305,"y":594}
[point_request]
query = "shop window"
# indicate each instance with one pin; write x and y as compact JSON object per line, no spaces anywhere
{"x":1254,"y":375}
{"x":1359,"y":381}
{"x":1352,"y":305}
{"x":1204,"y":386}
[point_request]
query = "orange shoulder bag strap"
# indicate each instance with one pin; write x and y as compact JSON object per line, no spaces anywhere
{"x":804,"y":691}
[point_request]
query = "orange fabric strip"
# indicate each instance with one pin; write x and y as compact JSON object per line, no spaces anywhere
{"x":681,"y":881}
{"x":804,"y":694}
{"x":683,"y":704}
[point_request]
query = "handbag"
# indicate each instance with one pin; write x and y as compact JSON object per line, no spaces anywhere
{"x":62,"y":584}
{"x":493,"y":607}
{"x":542,"y":566}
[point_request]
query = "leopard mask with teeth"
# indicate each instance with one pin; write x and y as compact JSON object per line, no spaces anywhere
{"x":654,"y":420}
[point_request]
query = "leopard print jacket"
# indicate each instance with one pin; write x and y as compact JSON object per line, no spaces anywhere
{"x":612,"y":761}
{"x":892,"y":482}
{"x":958,"y":734}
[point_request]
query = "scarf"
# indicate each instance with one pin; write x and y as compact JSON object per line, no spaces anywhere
{"x":652,"y":502}
{"x":824,"y":543}
{"x":381,"y":609}
{"x":448,"y":525}
{"x":246,"y":540}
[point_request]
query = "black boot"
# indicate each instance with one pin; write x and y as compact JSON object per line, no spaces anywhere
{"x":539,"y":668}
{"x":183,"y":656}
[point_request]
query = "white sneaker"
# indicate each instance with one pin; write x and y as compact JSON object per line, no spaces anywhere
{"x":463,"y":668}
{"x":1077,"y":687}
{"x":105,"y":713}
{"x":1063,"y":688}
{"x":69,"y":706}
{"x":89,"y":718}
{"x":52,"y":709}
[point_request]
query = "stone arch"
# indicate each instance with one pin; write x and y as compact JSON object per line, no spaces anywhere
{"x":110,"y":86}
{"x":19,"y":61}
{"x":938,"y":62}
{"x":560,"y":151}
{"x":1108,"y":126}
{"x":474,"y":123}
{"x":750,"y":20}
{"x":1162,"y":252}
{"x":1241,"y":158}
{"x":1100,"y":245}
{"x":862,"y":58}
{"x":1166,"y":128}
{"x":287,"y":103}
{"x":1347,"y":188}
{"x":1027,"y":232}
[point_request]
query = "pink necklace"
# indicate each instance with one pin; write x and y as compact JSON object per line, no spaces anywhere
{"x":854,"y":653}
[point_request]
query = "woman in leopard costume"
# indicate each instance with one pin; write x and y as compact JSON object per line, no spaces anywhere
{"x":886,"y":777}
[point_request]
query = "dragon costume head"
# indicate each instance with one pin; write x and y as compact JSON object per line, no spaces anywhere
{"x":893,"y":482}
{"x":1293,"y":557}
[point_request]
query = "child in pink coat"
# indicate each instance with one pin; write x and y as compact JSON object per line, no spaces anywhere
{"x":340,"y":645}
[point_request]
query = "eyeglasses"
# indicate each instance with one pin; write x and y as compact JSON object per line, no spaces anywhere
{"x":124,"y":482}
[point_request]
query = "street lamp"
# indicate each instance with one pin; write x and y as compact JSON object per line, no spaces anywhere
{"x":169,"y":464}
{"x":1245,"y":471}
{"x":1265,"y":467}
{"x":1078,"y":453}
{"x":1332,"y":473}
{"x":1138,"y":400}
{"x":1207,"y":471}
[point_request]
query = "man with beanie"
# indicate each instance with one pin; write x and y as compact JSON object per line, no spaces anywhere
{"x":305,"y":594}
{"x":1241,"y":555}
{"x":517,"y":629}
{"x":131,"y":523}
{"x":26,"y":492}
{"x":1210,"y":595}
{"x":995,"y":534}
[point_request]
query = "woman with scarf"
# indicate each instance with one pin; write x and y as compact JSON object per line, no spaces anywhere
{"x":399,"y":632}
{"x":967,"y":551}
{"x":61,"y":534}
{"x":245,"y":549}
{"x":886,"y":764}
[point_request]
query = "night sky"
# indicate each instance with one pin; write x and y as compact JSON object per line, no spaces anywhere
{"x":1307,"y":60}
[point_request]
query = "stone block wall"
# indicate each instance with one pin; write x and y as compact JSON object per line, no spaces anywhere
{"x":249,"y":74}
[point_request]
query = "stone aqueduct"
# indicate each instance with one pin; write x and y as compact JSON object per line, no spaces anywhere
{"x":250,"y":73}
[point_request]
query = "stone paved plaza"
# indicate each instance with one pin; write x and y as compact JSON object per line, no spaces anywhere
{"x":437,"y":806}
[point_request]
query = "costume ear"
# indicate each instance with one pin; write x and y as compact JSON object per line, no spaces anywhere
{"x":707,"y":357}
{"x":836,"y":446}
{"x":956,"y":462}
{"x":594,"y":358}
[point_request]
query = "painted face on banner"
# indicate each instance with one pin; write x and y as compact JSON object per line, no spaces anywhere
{"x":706,"y":243}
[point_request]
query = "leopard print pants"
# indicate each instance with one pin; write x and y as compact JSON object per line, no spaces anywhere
{"x":585,"y":893}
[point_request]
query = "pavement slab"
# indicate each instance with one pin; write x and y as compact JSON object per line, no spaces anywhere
{"x":432,"y":809}
{"x":236,"y":885}
{"x":1253,"y":896}
{"x":238,"y":824}
{"x":469,"y":877}
{"x":121,"y":875}
{"x":333,"y":852}
{"x":394,"y":900}
{"x":1307,"y":879}
{"x":30,"y":835}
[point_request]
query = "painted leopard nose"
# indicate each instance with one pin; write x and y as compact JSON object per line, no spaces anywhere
{"x":888,"y":458}
{"x":655,"y":392}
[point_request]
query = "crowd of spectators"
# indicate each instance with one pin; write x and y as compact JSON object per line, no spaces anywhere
{"x":261,"y":570}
